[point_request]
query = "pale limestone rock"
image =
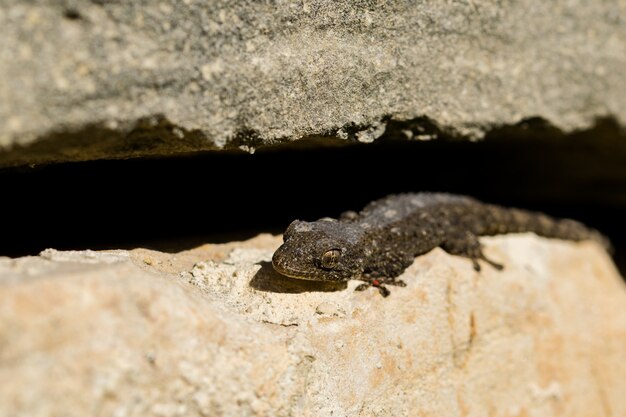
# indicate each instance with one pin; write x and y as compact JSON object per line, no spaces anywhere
{"x":214,"y":331}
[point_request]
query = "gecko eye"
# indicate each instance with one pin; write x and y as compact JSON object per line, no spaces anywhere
{"x":330,"y":258}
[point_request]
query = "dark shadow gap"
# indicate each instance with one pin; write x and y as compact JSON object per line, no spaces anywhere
{"x":173,"y":204}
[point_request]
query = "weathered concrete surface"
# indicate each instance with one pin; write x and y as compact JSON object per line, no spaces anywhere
{"x":91,"y":79}
{"x":213,"y":332}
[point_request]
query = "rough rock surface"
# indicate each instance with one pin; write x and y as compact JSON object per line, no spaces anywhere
{"x":214,"y":331}
{"x":87,"y":79}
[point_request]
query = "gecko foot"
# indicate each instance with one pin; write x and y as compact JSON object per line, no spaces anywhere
{"x":376,"y":284}
{"x":466,"y":244}
{"x":380,"y":284}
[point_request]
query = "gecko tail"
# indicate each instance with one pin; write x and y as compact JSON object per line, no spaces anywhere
{"x":576,"y":231}
{"x":519,"y":221}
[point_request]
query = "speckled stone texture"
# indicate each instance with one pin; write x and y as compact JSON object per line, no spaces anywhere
{"x":88,"y":79}
{"x":215,"y":332}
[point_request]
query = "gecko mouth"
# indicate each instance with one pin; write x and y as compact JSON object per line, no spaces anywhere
{"x":306,"y":275}
{"x":292,"y":273}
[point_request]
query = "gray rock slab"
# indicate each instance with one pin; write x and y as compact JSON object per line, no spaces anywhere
{"x":92,"y":79}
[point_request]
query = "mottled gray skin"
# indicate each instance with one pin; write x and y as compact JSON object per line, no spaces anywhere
{"x":379,"y":243}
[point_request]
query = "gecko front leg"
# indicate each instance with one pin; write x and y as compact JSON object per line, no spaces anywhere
{"x":385,"y":273}
{"x":466,"y":244}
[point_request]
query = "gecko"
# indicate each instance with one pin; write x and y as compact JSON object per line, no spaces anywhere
{"x":377,"y":244}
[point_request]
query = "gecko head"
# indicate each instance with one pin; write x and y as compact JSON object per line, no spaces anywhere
{"x":325,"y":250}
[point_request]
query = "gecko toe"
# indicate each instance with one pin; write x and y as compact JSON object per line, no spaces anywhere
{"x":383,"y":291}
{"x":497,"y":266}
{"x":494,"y":264}
{"x":476,"y":265}
{"x":381,"y":288}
